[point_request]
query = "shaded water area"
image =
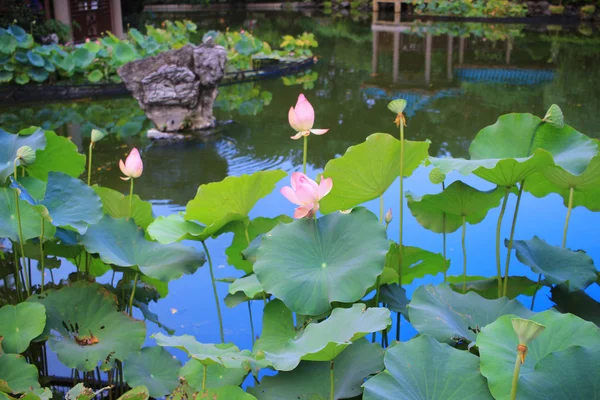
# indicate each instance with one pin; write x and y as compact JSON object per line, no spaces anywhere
{"x":456,"y":77}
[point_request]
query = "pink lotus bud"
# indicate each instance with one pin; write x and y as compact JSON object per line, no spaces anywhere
{"x":302,"y":119}
{"x":133,"y":166}
{"x":306,"y":193}
{"x":388,"y":216}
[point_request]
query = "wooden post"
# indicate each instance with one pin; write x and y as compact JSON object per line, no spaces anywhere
{"x":449,"y":58}
{"x":428,"y":40}
{"x":396,"y":60}
{"x":461,"y":51}
{"x":116,"y":18}
{"x":62,"y":13}
{"x":375,"y":50}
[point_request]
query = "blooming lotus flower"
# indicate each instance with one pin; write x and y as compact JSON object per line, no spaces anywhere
{"x":302,"y":119}
{"x":306,"y":193}
{"x":133,"y":166}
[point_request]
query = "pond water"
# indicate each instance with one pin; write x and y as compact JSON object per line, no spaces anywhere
{"x":457,"y":79}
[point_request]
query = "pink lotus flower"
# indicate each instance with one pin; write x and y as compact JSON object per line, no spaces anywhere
{"x":133,"y":166}
{"x":302,"y":119}
{"x":306,"y":193}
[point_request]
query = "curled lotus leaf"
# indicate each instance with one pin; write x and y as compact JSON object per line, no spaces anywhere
{"x":153,"y":367}
{"x":284,"y":347}
{"x":498,"y":343}
{"x":20,"y":325}
{"x":424,"y":369}
{"x":449,"y":317}
{"x":174,"y":228}
{"x":60,"y":155}
{"x":10,"y":144}
{"x":249,"y":285}
{"x":84,"y":327}
{"x":16,"y":375}
{"x":488,"y":287}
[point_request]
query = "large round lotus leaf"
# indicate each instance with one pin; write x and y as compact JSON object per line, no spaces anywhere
{"x":8,"y":43}
{"x":225,"y":392}
{"x":367,"y":170}
{"x":570,"y":374}
{"x":554,"y":179}
{"x":285,"y":347}
{"x":488,"y":287}
{"x":423,"y":369}
{"x":122,"y":243}
{"x":174,"y":228}
{"x":310,"y":380}
{"x":31,"y":221}
{"x":558,"y":265}
{"x":416,"y":263}
{"x":249,"y":285}
{"x":65,"y":201}
{"x":458,"y":200}
{"x":137,"y":393}
{"x":123,"y":53}
{"x":219,"y":203}
{"x":309,"y":264}
{"x":16,"y":375}
{"x":116,"y":205}
{"x":498,"y":343}
{"x":153,"y":367}
{"x":60,"y":154}
{"x":84,"y":326}
{"x":518,"y":145}
{"x":20,"y":325}
{"x":9,"y":144}
{"x":448,"y":316}
{"x":217,"y":375}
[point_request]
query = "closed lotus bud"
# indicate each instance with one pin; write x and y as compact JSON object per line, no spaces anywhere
{"x":26,"y":155}
{"x":554,"y":116}
{"x":97,"y":135}
{"x":388,"y":216}
{"x":436,"y":176}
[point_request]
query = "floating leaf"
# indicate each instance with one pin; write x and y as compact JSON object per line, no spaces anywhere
{"x":122,"y":243}
{"x":558,"y":265}
{"x":10,"y":143}
{"x":16,"y":375}
{"x":116,"y":205}
{"x":367,"y":170}
{"x":20,"y":325}
{"x":60,"y":155}
{"x":310,"y":380}
{"x":423,"y":369}
{"x":448,"y":316}
{"x":84,"y":326}
{"x":322,"y":341}
{"x":219,"y":203}
{"x":498,"y":342}
{"x":305,"y":262}
{"x":153,"y":367}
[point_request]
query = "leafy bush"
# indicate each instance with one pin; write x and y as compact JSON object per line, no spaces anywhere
{"x":590,"y":9}
{"x":556,"y":10}
{"x":473,"y":8}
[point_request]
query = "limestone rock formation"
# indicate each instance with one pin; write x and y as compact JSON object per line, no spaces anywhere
{"x":177,"y":88}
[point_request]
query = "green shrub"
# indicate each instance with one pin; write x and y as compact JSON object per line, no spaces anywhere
{"x":588,"y":10}
{"x":556,"y":10}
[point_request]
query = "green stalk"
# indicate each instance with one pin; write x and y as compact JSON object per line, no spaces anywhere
{"x":510,"y":240}
{"x":17,"y":277}
{"x":89,"y":177}
{"x":214,"y":287}
{"x":444,"y":239}
{"x":498,"y":228}
{"x":251,"y":321}
{"x":515,"y":379}
{"x":378,"y":278}
{"x":401,"y":214}
{"x":135,"y":281}
{"x":331,"y":381}
{"x":569,"y":208}
{"x":304,"y":157}
{"x":131,"y":198}
{"x":27,"y":283}
{"x":42,"y":253}
{"x":464,"y":249}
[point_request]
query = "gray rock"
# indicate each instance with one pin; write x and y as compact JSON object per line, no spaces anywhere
{"x":177,"y":88}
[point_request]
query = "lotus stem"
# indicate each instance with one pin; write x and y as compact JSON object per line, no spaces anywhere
{"x":397,"y":326}
{"x":510,"y":240}
{"x":89,"y":175}
{"x":515,"y":379}
{"x":332,"y":381}
{"x":498,"y":228}
{"x":17,"y":278}
{"x":42,"y":253}
{"x":537,"y":287}
{"x":251,"y":320}
{"x":444,"y":239}
{"x":135,"y":281}
{"x":131,"y":198}
{"x":214,"y":287}
{"x":27,"y":282}
{"x":401,"y":213}
{"x":377,"y":283}
{"x":246,"y":232}
{"x":464,"y":249}
{"x":569,"y":208}
{"x":204,"y":377}
{"x":304,"y":156}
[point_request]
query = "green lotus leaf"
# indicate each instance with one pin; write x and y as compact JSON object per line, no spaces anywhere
{"x":16,"y":375}
{"x":8,"y":43}
{"x":82,"y":58}
{"x":35,"y":59}
{"x":37,"y":394}
{"x":95,"y":76}
{"x":65,"y":201}
{"x":416,"y":263}
{"x":488,"y":287}
{"x":6,"y":76}
{"x":578,"y":303}
{"x":18,"y":32}
{"x":216,"y":204}
{"x":368,"y":169}
{"x":256,"y":227}
{"x":38,"y":74}
{"x":397,"y":106}
{"x":84,"y":326}
{"x":448,"y":316}
{"x":217,"y":375}
{"x":31,"y":221}
{"x":554,"y":179}
{"x":423,"y":369}
{"x":150,"y":316}
{"x":303,"y":263}
{"x":10,"y":143}
{"x":285,"y":347}
{"x":573,"y":373}
{"x":394,"y":297}
{"x":123,"y":53}
{"x":122,"y":243}
{"x":498,"y":343}
{"x":310,"y":380}
{"x":153,"y":367}
{"x":60,"y":155}
{"x":22,"y":78}
{"x":174,"y":228}
{"x":458,"y":200}
{"x":249,"y":285}
{"x":518,"y":145}
{"x":116,"y":205}
{"x":226,"y":392}
{"x":80,"y":392}
{"x":20,"y":325}
{"x":137,"y":393}
{"x":558,"y":265}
